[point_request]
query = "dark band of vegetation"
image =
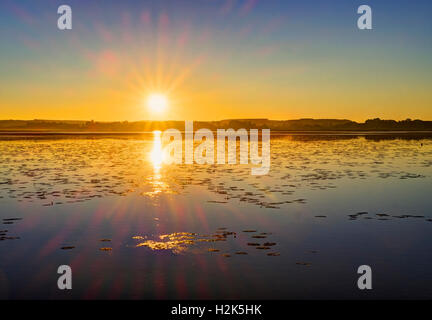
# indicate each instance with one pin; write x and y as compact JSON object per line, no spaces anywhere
{"x":275,"y":125}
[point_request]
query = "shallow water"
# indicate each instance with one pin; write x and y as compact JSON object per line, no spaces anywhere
{"x":330,"y":203}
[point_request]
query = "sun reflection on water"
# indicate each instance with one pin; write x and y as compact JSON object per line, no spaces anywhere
{"x":156,"y":155}
{"x":156,"y":158}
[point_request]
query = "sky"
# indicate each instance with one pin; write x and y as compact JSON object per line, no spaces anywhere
{"x":216,"y":59}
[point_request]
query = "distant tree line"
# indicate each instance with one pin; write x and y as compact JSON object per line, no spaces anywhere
{"x":275,"y":125}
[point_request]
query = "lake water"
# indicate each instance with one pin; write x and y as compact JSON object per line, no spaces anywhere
{"x":133,"y":228}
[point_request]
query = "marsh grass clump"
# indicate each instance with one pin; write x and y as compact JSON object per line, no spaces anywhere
{"x":273,"y":254}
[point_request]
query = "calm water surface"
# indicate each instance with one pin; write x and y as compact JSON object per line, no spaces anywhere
{"x":133,"y":228}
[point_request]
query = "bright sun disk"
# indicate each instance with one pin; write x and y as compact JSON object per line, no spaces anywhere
{"x":157,"y":102}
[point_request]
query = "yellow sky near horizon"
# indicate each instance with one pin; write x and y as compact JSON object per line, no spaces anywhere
{"x":112,"y":104}
{"x":111,"y":88}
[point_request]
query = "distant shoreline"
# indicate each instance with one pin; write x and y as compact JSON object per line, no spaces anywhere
{"x":281,"y":126}
{"x":287,"y":132}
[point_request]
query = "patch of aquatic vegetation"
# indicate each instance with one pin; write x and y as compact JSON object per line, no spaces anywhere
{"x":58,"y":172}
{"x":4,"y":234}
{"x":385,"y":217}
{"x":176,"y":242}
{"x":182,"y":242}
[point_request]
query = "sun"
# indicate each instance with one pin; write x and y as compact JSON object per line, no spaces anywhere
{"x":157,"y":102}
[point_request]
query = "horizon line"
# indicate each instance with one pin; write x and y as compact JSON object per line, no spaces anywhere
{"x":232,"y":119}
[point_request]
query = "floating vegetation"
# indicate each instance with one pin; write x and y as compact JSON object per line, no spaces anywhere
{"x":385,"y":216}
{"x":269,"y":244}
{"x":307,"y":264}
{"x":4,"y":236}
{"x":176,"y":242}
{"x":8,"y":238}
{"x":105,"y":249}
{"x":382,"y":215}
{"x":180,"y":242}
{"x":273,"y":254}
{"x":175,"y":246}
{"x":179,"y":236}
{"x":70,"y":171}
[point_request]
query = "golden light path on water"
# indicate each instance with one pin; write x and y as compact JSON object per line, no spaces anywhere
{"x":156,"y":158}
{"x":156,"y":155}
